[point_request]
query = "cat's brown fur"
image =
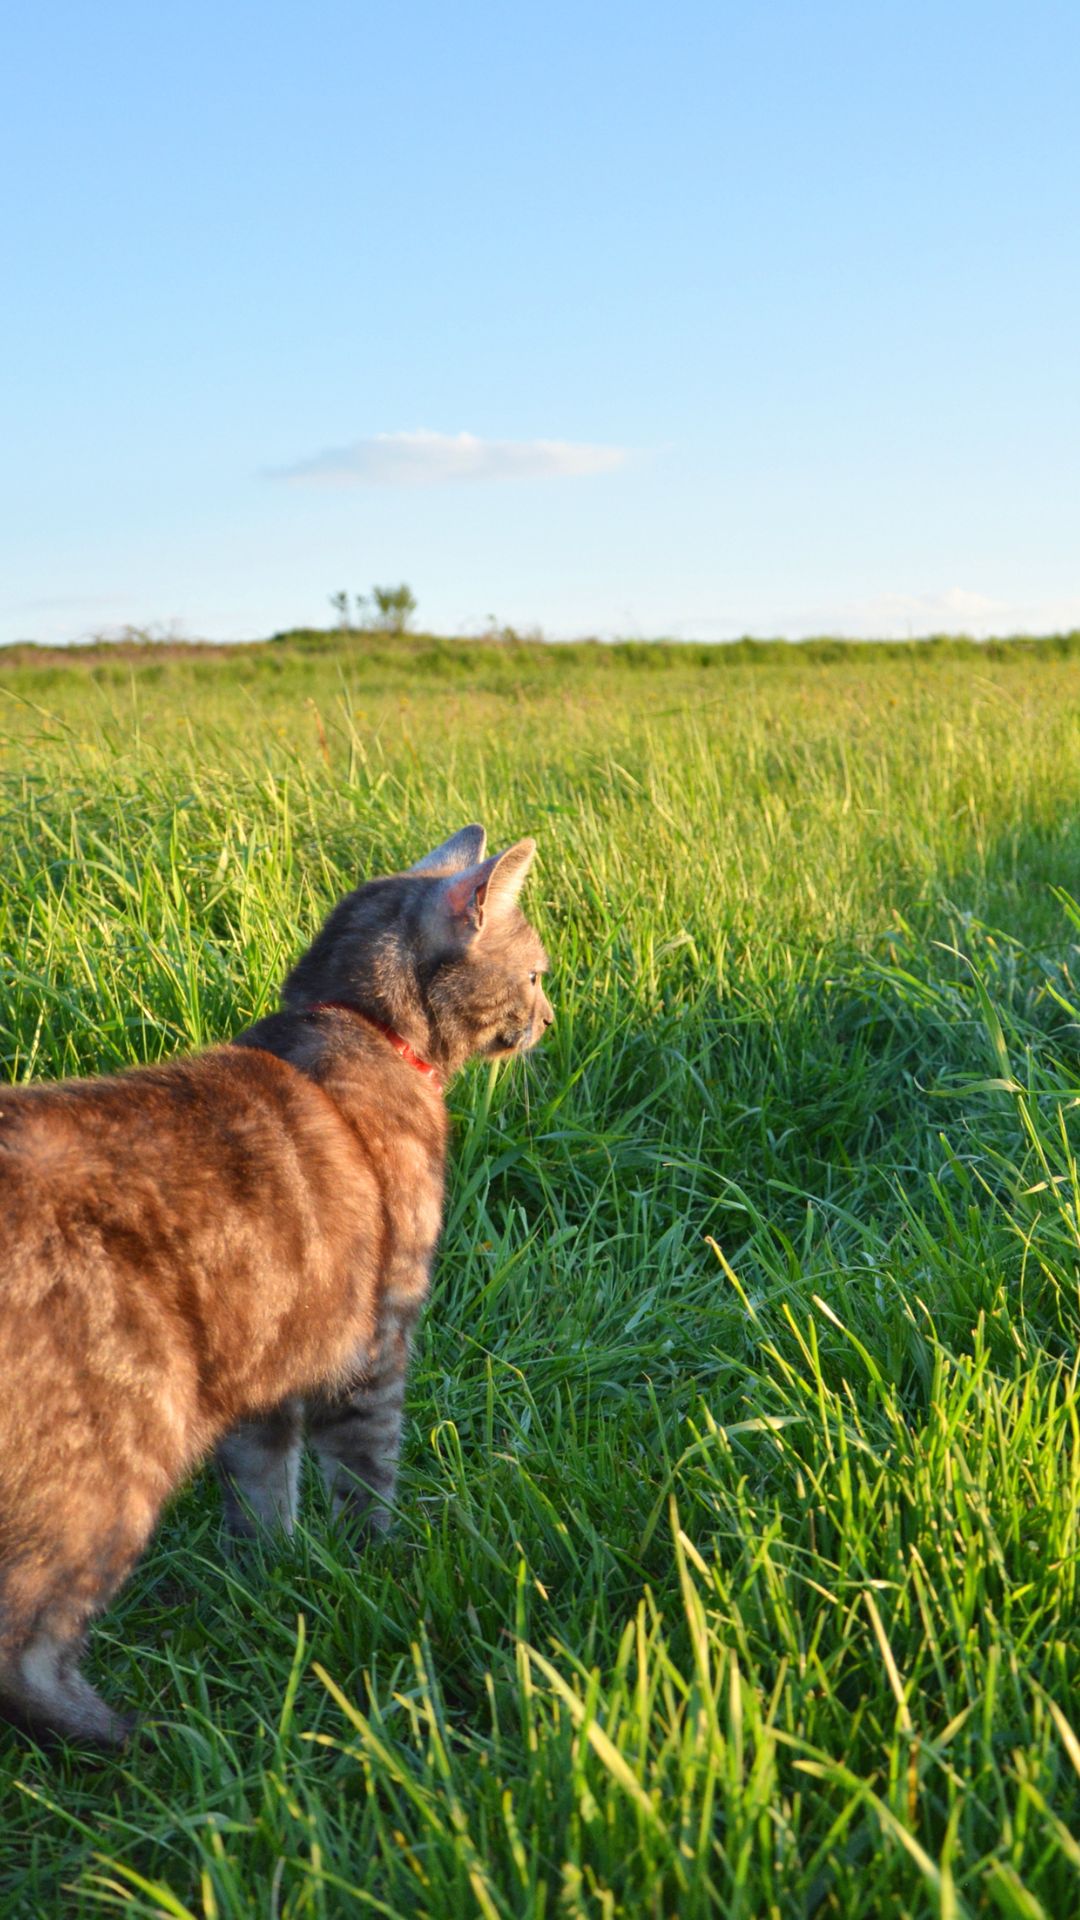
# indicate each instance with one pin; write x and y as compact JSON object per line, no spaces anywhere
{"x":224,"y":1250}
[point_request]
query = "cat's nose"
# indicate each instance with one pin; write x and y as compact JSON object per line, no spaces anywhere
{"x":547,"y":1017}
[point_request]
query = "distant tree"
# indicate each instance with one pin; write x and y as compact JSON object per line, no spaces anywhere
{"x":384,"y":610}
{"x":394,"y":607}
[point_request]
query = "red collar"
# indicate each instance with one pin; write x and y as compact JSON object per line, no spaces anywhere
{"x":397,"y":1041}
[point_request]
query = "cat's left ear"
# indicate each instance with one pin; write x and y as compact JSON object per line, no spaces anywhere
{"x":463,"y":849}
{"x":488,"y":890}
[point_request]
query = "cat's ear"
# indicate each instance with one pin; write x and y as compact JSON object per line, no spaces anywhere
{"x":463,"y":849}
{"x":486,"y":891}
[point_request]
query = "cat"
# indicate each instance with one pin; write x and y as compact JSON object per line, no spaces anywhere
{"x":228,"y":1249}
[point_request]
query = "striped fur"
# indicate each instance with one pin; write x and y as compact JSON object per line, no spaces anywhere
{"x":233,"y":1249}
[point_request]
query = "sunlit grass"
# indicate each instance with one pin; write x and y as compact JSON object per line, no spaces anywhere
{"x":736,"y":1566}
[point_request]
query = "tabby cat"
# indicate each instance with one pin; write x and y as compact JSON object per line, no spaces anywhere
{"x":229,"y":1249}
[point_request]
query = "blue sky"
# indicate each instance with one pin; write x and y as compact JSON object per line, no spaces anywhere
{"x":696,"y":319}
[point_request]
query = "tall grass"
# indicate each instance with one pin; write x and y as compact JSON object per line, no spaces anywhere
{"x":737,"y":1556}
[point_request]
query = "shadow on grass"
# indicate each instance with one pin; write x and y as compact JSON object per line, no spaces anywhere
{"x":581,"y":1330}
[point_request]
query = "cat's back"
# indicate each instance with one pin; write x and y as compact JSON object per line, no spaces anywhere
{"x":209,"y":1223}
{"x":185,"y":1165}
{"x":233,"y":1116}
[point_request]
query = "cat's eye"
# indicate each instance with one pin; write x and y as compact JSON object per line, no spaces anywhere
{"x":533,"y":977}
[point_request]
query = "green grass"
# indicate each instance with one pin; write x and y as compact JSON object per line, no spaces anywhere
{"x":736,"y":1569}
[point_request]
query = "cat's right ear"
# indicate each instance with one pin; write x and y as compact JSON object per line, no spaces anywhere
{"x":463,"y":849}
{"x":468,"y":901}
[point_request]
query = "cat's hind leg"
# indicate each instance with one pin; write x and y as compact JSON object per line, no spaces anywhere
{"x":42,"y":1688}
{"x":258,"y":1462}
{"x":47,"y":1599}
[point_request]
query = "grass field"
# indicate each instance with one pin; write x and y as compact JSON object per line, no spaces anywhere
{"x":736,"y":1569}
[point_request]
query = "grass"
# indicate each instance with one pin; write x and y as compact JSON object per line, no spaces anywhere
{"x":736,"y":1569}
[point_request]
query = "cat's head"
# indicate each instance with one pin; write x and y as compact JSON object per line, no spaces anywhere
{"x":442,"y":953}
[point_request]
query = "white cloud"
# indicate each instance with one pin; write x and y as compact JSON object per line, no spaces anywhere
{"x":956,"y":610}
{"x":887,"y":616}
{"x":63,"y":602}
{"x":429,"y":459}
